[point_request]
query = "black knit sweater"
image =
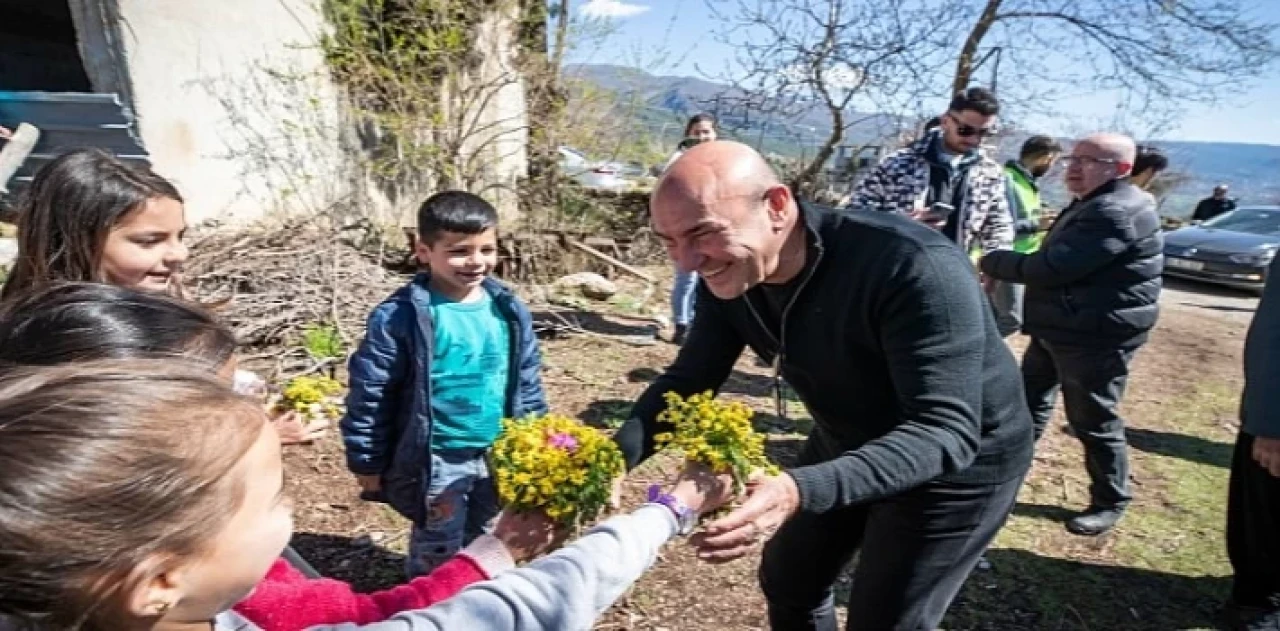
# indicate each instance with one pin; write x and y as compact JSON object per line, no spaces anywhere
{"x":889,"y":341}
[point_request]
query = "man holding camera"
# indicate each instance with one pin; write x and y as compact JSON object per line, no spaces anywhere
{"x":945,"y":181}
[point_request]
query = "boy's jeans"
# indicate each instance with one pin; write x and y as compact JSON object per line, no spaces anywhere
{"x":683,"y":292}
{"x":462,"y":504}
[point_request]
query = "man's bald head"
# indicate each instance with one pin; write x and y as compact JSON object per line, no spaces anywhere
{"x":1098,"y":159}
{"x":1118,"y":146}
{"x":714,"y":171}
{"x":722,"y":212}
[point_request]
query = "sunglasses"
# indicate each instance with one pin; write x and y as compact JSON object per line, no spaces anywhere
{"x":969,"y":130}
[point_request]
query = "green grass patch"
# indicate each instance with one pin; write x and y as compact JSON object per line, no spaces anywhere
{"x":1163,"y":568}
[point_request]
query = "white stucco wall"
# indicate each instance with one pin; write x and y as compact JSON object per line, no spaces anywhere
{"x":234,"y":103}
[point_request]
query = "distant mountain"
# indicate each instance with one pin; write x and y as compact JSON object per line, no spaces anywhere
{"x":671,"y":100}
{"x":1252,"y":171}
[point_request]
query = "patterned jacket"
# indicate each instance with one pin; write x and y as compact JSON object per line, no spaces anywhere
{"x":903,"y":178}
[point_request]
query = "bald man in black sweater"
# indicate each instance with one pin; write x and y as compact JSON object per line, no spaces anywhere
{"x":922,"y":436}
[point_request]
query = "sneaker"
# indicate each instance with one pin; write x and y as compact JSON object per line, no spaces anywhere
{"x":681,"y":334}
{"x":1094,"y":521}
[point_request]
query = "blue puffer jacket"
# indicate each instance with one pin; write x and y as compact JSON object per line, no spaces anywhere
{"x":387,"y":427}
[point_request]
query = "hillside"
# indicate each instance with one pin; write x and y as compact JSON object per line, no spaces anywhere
{"x":664,"y":102}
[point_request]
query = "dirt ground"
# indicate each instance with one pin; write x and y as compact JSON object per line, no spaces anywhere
{"x":1163,"y":568}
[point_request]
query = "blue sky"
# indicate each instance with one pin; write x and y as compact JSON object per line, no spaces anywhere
{"x":671,"y":37}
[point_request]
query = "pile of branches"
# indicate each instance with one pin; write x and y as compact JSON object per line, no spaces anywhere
{"x":269,"y":282}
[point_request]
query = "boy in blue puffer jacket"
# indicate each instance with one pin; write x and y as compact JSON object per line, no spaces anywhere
{"x":443,"y":361}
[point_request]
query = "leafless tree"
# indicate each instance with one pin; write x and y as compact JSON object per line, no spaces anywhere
{"x":1155,"y":55}
{"x":834,"y":56}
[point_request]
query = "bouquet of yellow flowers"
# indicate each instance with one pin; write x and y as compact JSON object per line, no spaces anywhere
{"x":714,"y":433}
{"x":315,"y":398}
{"x":557,"y":465}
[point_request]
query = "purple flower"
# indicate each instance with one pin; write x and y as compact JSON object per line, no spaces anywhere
{"x":563,"y":441}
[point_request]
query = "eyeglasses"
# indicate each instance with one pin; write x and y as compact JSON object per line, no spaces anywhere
{"x":1085,"y":161}
{"x":967,"y":130}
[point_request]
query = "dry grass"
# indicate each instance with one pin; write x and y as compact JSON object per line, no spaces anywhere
{"x":1163,"y":568}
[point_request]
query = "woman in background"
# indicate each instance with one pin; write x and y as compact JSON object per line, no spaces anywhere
{"x":700,"y":128}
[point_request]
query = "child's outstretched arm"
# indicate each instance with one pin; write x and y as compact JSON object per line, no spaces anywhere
{"x":377,"y":372}
{"x":288,"y":601}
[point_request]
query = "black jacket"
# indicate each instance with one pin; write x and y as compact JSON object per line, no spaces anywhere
{"x":1260,"y":403}
{"x":889,"y":342}
{"x":1211,"y":207}
{"x":1095,"y":281}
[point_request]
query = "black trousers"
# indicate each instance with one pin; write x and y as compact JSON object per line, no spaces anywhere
{"x":1092,"y":381}
{"x":917,"y":548}
{"x":1253,"y":529}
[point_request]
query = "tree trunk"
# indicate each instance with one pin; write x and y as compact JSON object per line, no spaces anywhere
{"x":964,"y":65}
{"x":804,"y":181}
{"x":544,"y":100}
{"x":562,"y":35}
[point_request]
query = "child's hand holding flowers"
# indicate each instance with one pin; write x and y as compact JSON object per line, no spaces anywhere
{"x":305,"y":409}
{"x":556,"y":465}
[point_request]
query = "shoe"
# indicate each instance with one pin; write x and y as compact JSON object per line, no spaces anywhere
{"x":1245,"y":618}
{"x":1094,"y":521}
{"x":681,"y":334}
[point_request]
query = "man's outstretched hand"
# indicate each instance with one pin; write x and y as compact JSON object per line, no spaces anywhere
{"x":771,"y":501}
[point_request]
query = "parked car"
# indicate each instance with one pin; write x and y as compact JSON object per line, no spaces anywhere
{"x":598,"y":175}
{"x":1232,"y":249}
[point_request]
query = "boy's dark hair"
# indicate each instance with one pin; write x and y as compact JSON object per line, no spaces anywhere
{"x":980,"y":100}
{"x":1039,"y":146}
{"x":454,"y":211}
{"x":76,"y":322}
{"x":67,"y":213}
{"x":1150,"y":157}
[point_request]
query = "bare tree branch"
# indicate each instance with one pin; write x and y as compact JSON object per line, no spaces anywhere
{"x":817,"y":60}
{"x":1159,"y":54}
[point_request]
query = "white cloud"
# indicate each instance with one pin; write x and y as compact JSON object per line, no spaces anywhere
{"x":611,"y":9}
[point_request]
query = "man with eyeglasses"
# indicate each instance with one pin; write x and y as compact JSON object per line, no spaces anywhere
{"x":944,"y":180}
{"x":1092,"y":297}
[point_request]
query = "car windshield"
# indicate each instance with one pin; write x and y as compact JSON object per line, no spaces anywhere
{"x":1249,"y":220}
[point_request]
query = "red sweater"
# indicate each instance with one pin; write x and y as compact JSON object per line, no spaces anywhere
{"x":286,"y":600}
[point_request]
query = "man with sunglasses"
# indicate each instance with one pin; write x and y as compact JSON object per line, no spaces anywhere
{"x":1092,"y":297}
{"x":944,"y":180}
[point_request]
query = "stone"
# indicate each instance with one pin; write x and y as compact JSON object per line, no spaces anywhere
{"x":591,"y":285}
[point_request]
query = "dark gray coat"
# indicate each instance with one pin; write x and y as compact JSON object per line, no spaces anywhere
{"x":1260,"y":404}
{"x":1096,"y":279}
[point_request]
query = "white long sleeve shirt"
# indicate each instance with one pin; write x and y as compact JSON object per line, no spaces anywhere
{"x":564,"y":591}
